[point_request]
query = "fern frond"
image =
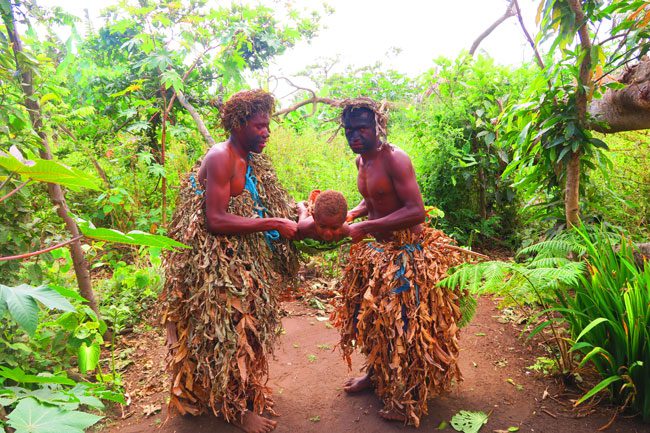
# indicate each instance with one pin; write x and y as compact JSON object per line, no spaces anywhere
{"x":558,"y":247}
{"x":467,"y":310}
{"x":549,"y":262}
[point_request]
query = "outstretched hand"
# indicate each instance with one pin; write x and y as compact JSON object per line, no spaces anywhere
{"x":287,"y":228}
{"x":357,"y":232}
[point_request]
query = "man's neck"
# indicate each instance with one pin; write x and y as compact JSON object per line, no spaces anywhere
{"x":371,"y":155}
{"x":237,"y":148}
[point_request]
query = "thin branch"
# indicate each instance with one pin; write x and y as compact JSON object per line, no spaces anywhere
{"x":314,"y":100}
{"x":538,"y":57}
{"x":15,"y":190}
{"x":6,"y":181}
{"x":197,"y":118}
{"x":46,"y":250}
{"x":508,"y":13}
{"x":462,"y":250}
{"x":93,"y":160}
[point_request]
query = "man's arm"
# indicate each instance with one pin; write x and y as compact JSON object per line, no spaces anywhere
{"x":217,"y":197}
{"x":359,"y":211}
{"x":305,"y":223}
{"x":402,"y":174}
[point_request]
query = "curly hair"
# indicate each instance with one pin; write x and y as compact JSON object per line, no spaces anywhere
{"x":354,"y":107}
{"x":330,"y":204}
{"x":243,"y":105}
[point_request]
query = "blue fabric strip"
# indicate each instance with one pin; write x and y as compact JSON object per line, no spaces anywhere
{"x":251,"y":185}
{"x":399,"y":275}
{"x":195,"y":185}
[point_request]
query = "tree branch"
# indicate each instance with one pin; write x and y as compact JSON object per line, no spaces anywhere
{"x":538,"y":57}
{"x":197,"y":118}
{"x":46,"y":250}
{"x":510,"y":11}
{"x":313,"y":100}
{"x":14,"y":191}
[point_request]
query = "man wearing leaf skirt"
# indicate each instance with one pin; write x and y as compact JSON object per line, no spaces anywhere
{"x":391,"y":308}
{"x":219,"y":306}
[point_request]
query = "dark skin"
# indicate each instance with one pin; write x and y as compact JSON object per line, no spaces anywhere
{"x":391,"y":200}
{"x":223,"y":175}
{"x":386,"y":180}
{"x":326,"y":228}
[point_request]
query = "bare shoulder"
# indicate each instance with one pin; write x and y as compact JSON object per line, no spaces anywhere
{"x":216,"y":152}
{"x":396,"y":157}
{"x":214,"y":158}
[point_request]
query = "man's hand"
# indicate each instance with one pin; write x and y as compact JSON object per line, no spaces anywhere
{"x":350,"y":217}
{"x":357,"y":232}
{"x":287,"y":228}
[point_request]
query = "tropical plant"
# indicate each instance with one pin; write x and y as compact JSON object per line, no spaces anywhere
{"x":551,"y":127}
{"x":601,"y":298}
{"x":460,"y":154}
{"x":608,"y":313}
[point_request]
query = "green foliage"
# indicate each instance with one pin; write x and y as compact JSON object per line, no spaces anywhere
{"x":603,"y":298}
{"x":30,"y":416}
{"x":544,"y":365}
{"x":469,"y":422}
{"x":461,"y":156}
{"x":621,"y":196}
{"x":550,"y":123}
{"x":307,"y":161}
{"x":532,"y":281}
{"x":21,"y":303}
{"x":130,"y":292}
{"x":609,"y":319}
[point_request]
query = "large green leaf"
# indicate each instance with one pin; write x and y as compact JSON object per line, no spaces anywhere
{"x":468,"y":422}
{"x":46,"y":295}
{"x":18,"y":375}
{"x":23,"y":309}
{"x":21,"y":302}
{"x":44,"y":170}
{"x":31,"y":417}
{"x":134,"y":237}
{"x":88,"y":357}
{"x":3,"y":304}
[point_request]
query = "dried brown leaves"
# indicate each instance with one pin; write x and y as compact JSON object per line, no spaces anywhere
{"x":220,"y":304}
{"x":410,"y":339}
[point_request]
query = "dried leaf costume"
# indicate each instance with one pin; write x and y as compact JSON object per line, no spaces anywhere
{"x":406,"y":327}
{"x":220,"y":297}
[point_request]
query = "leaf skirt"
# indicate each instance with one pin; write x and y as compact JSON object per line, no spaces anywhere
{"x":220,"y":307}
{"x":392,"y":311}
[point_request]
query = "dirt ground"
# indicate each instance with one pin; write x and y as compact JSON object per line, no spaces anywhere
{"x":307,"y":373}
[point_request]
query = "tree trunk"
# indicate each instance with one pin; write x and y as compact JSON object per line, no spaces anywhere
{"x":583,"y":92}
{"x":55,"y":191}
{"x":163,"y":144}
{"x":627,"y":109}
{"x":572,"y":191}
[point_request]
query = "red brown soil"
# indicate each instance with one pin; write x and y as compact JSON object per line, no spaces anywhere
{"x":307,"y":376}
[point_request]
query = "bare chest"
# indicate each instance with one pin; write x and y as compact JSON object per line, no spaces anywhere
{"x":374,"y":183}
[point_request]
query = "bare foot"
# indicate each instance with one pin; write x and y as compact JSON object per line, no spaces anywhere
{"x":392,"y":415}
{"x":357,"y":384}
{"x":254,"y":423}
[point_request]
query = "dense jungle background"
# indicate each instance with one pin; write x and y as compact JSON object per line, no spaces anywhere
{"x":544,"y":166}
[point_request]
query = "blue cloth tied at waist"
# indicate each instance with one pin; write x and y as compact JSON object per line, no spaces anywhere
{"x":400,"y":274}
